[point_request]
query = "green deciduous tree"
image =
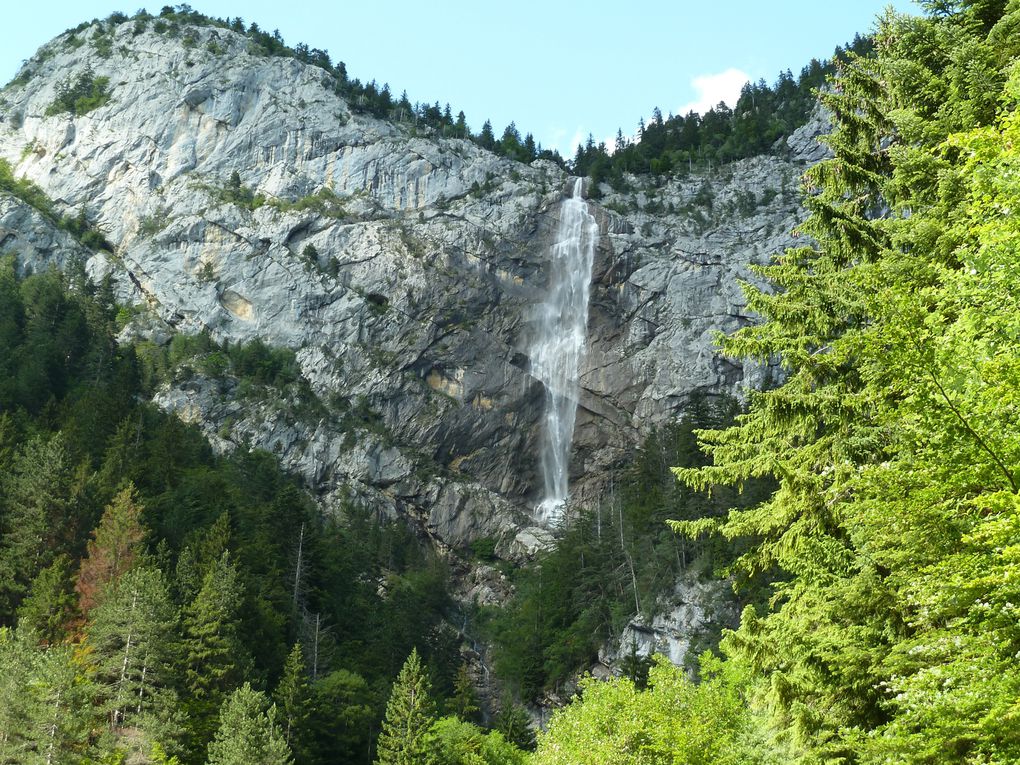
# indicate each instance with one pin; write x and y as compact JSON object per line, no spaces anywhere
{"x":458,"y":742}
{"x":673,"y":721}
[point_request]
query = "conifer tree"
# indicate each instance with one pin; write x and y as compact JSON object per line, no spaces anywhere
{"x":215,"y":659}
{"x":248,"y":732}
{"x":512,"y":721}
{"x":465,"y":699}
{"x":892,"y":437}
{"x":50,"y":609}
{"x":115,"y":547}
{"x":133,"y":642}
{"x":18,"y":708}
{"x":46,"y":715}
{"x":342,"y":717}
{"x":293,"y":700}
{"x":410,"y":715}
{"x":37,"y":510}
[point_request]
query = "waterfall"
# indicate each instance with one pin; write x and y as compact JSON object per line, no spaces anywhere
{"x":560,"y":344}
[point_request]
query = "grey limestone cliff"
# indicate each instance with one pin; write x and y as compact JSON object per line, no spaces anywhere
{"x":402,"y":268}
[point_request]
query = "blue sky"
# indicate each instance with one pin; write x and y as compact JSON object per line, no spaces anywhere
{"x":560,"y":69}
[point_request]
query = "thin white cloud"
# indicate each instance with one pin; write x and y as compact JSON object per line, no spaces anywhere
{"x":713,"y":88}
{"x":565,"y":143}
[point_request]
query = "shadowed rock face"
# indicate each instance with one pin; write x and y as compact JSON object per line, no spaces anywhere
{"x":409,"y":286}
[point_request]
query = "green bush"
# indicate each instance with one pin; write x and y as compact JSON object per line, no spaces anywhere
{"x":80,"y":95}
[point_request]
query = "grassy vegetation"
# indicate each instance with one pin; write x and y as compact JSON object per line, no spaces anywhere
{"x":80,"y":95}
{"x":30,"y":193}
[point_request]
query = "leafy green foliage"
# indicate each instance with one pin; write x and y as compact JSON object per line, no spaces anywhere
{"x":674,"y":720}
{"x":254,"y":364}
{"x":458,"y":742}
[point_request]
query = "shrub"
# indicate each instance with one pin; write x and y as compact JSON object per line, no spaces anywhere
{"x":80,"y":95}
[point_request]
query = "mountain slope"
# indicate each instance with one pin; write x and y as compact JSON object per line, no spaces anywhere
{"x":243,"y":197}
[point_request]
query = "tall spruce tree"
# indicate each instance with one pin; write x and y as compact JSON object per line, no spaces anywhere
{"x":133,"y":644}
{"x":410,"y":714}
{"x":37,"y":514}
{"x":215,"y":658}
{"x":249,"y":733}
{"x":115,"y":547}
{"x":892,"y":438}
{"x":50,"y":610}
{"x":293,"y":698}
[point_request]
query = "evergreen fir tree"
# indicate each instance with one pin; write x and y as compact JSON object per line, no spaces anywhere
{"x":50,"y":609}
{"x":293,"y":698}
{"x":248,"y":733}
{"x":215,"y":659}
{"x":465,"y":699}
{"x":410,"y":715}
{"x":37,"y":512}
{"x":132,"y":642}
{"x":46,"y":714}
{"x":115,"y":547}
{"x":513,"y":722}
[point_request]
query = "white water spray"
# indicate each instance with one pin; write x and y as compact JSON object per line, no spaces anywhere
{"x":560,"y":345}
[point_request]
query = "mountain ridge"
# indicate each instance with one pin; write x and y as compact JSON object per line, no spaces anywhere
{"x":246,"y":199}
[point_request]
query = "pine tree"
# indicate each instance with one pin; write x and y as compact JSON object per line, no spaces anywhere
{"x":465,"y":699}
{"x":293,"y":697}
{"x":39,"y":507}
{"x":46,"y":716}
{"x":410,"y":715}
{"x":487,"y":138}
{"x":133,"y":642}
{"x":65,"y":717}
{"x":248,"y":733}
{"x":513,"y":722}
{"x":215,"y":659}
{"x":114,"y":549}
{"x":17,"y":711}
{"x":50,"y":609}
{"x":892,"y":438}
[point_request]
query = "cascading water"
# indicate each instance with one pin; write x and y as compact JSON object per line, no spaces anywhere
{"x":560,"y":345}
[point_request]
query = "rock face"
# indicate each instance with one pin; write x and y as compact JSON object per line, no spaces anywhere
{"x":245,"y":198}
{"x":686,"y":624}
